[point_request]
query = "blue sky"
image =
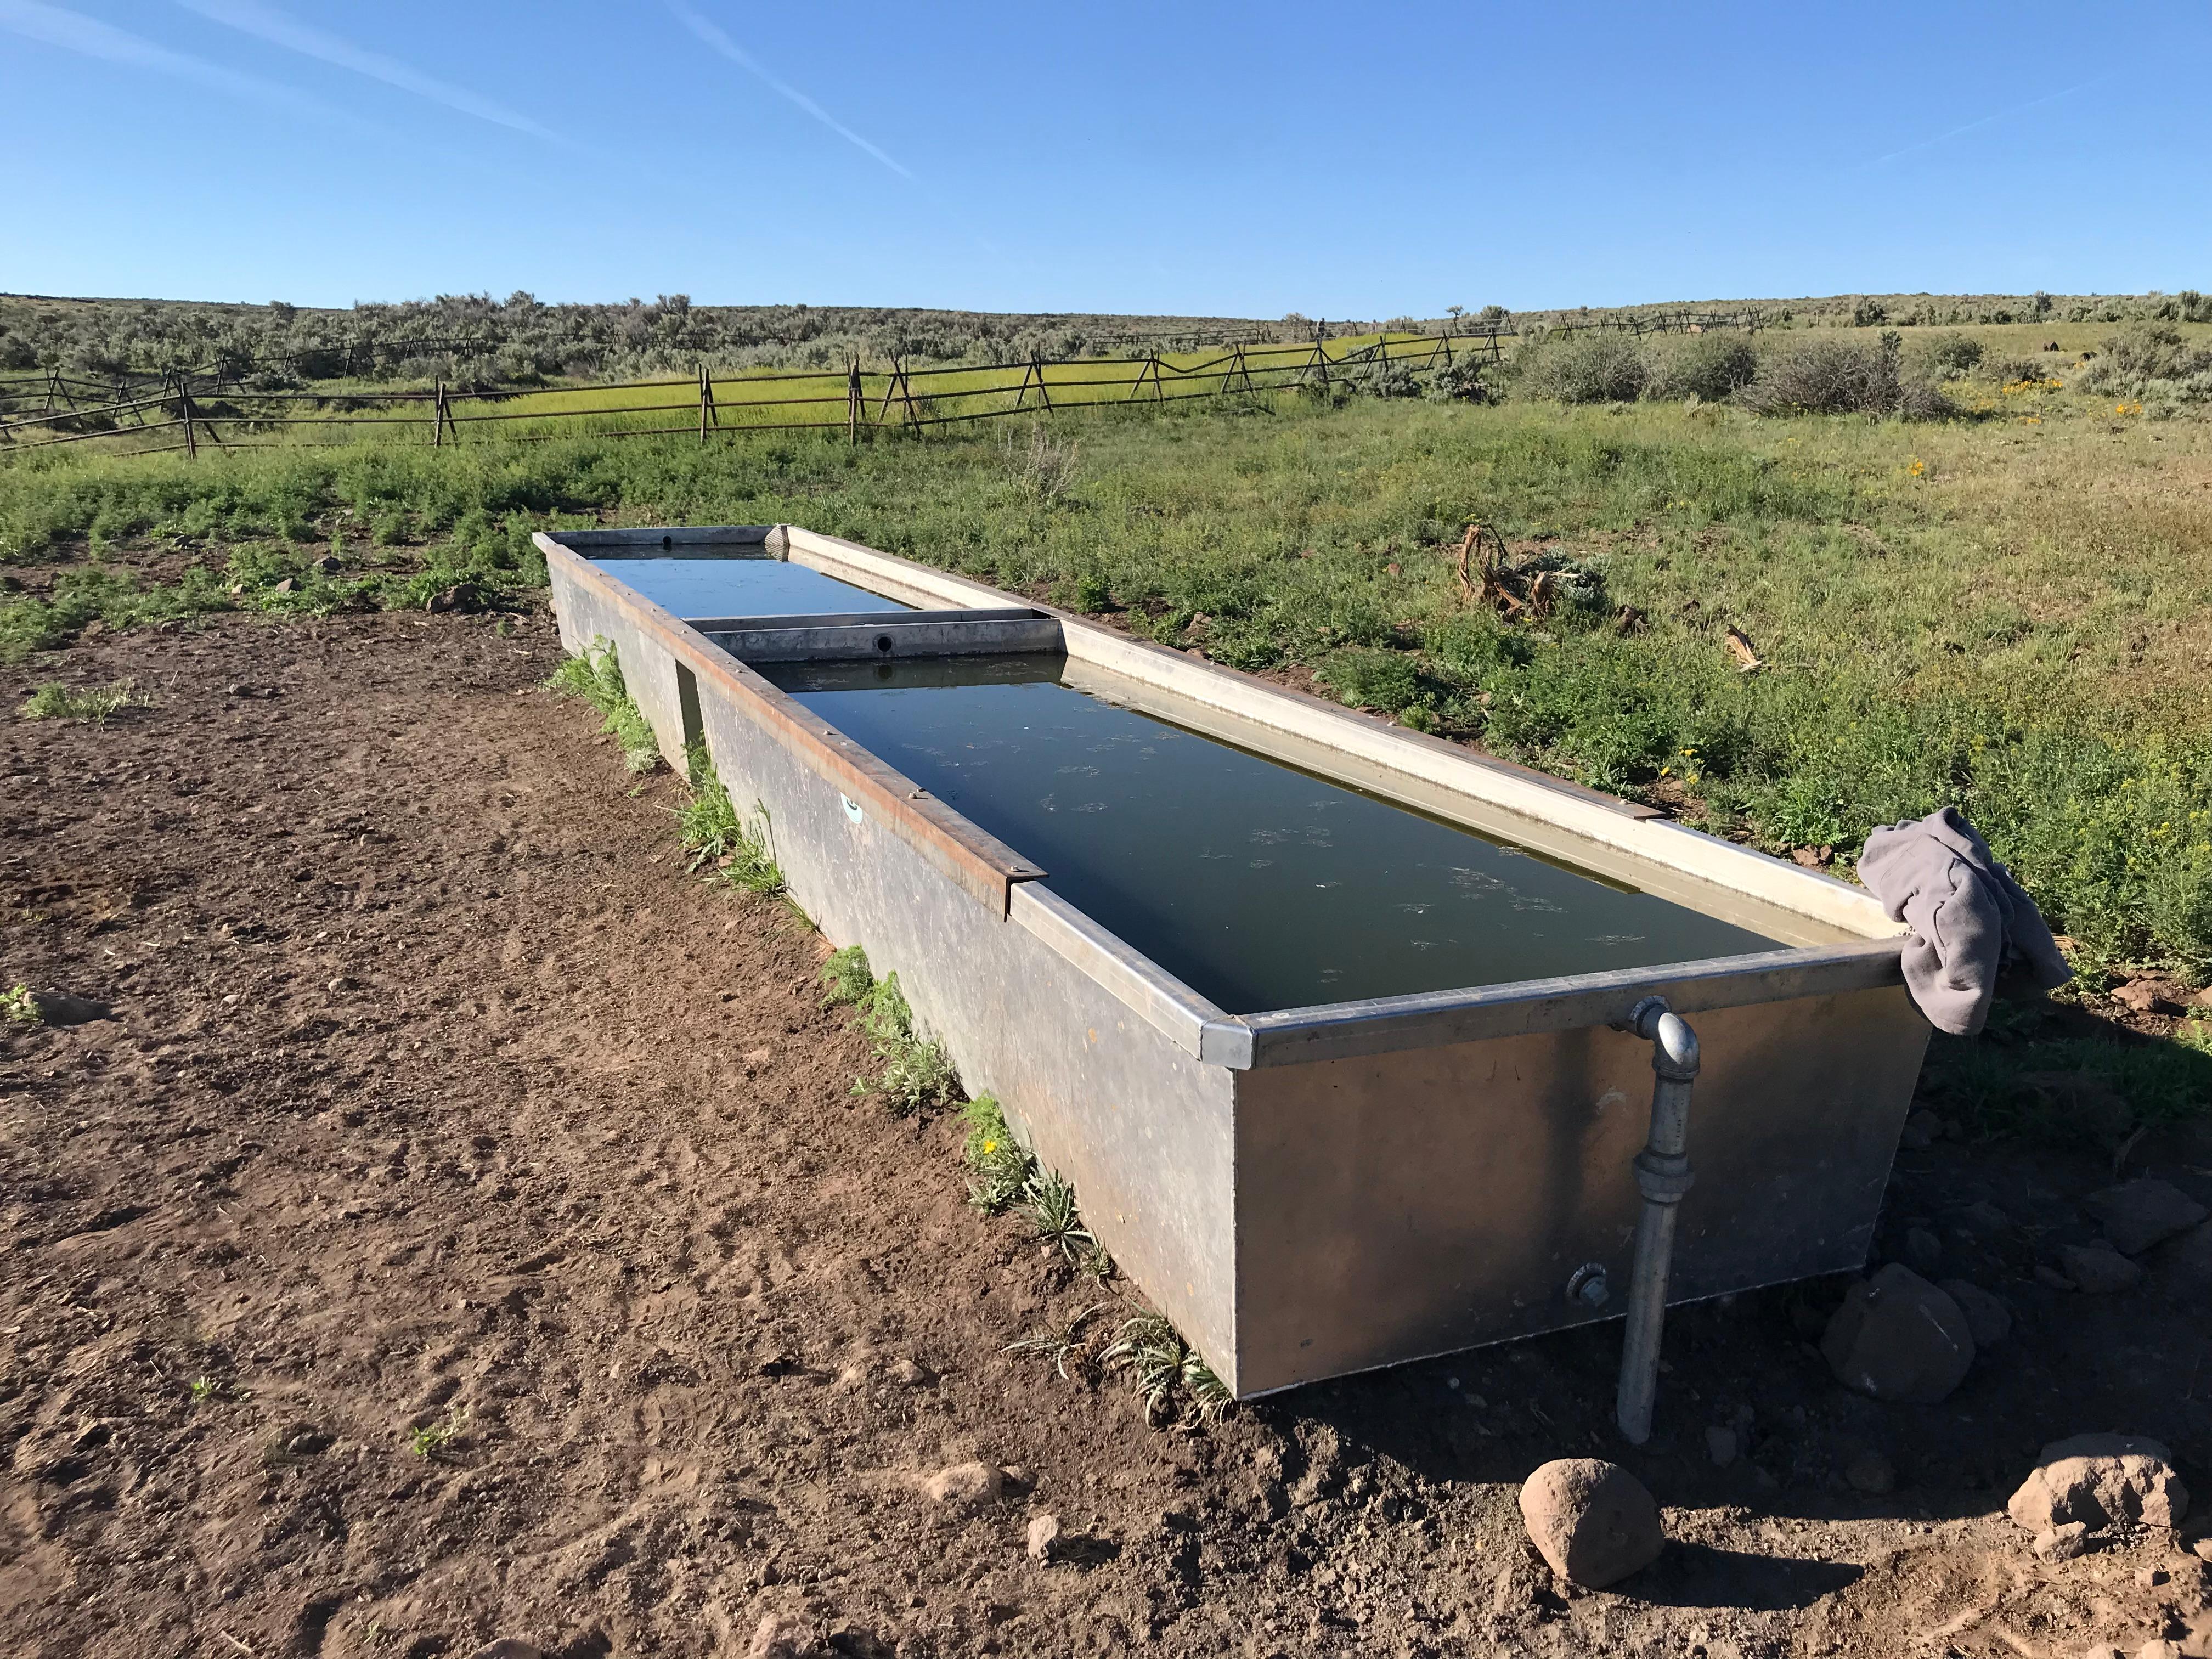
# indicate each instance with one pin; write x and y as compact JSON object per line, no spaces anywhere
{"x":1214,"y":159}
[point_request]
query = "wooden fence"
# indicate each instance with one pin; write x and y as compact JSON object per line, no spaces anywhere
{"x":188,"y":411}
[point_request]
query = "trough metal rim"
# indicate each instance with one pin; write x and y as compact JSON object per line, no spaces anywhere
{"x":995,"y":873}
{"x":1346,"y":1030}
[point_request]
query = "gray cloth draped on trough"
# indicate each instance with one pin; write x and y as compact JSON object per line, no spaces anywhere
{"x":1970,"y":920}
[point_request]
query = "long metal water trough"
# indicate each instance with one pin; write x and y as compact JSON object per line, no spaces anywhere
{"x":1310,"y":1190}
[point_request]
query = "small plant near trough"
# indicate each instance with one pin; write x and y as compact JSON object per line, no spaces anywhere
{"x":203,"y":1389}
{"x":721,"y":844}
{"x":436,"y":1440}
{"x":1063,"y":1345}
{"x":1049,"y":1206}
{"x":998,"y":1165}
{"x":54,"y":701}
{"x":917,"y":1072}
{"x":596,"y":676}
{"x":17,"y":1006}
{"x":845,"y":973}
{"x":1165,"y":1368}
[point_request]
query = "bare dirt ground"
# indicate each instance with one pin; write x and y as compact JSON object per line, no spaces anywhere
{"x":464,"y":1229}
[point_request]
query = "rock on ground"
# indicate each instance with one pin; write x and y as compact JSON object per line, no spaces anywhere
{"x":2139,"y":1213}
{"x":778,"y":1638}
{"x":1592,"y":1522}
{"x":1871,"y":1473}
{"x":1987,"y":1318}
{"x":2064,"y":1543}
{"x":2099,"y":1269}
{"x":966,"y":1485}
{"x":2102,"y":1480}
{"x":1043,"y":1535}
{"x":1897,"y":1337}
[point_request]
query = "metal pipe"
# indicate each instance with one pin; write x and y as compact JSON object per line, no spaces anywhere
{"x":1662,"y":1171}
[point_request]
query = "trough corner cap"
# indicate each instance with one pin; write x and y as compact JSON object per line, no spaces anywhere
{"x":1226,"y":1042}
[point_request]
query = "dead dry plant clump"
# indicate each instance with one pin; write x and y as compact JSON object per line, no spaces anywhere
{"x":1820,"y":376}
{"x":1042,"y":468}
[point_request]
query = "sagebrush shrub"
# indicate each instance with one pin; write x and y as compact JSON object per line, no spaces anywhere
{"x":1706,"y":367}
{"x":1603,"y":367}
{"x":1828,"y":376}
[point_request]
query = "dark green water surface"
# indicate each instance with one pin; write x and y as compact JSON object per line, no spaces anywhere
{"x":1257,"y":885}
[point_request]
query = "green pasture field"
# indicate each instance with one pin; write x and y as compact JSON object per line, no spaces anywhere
{"x":2010,"y":611}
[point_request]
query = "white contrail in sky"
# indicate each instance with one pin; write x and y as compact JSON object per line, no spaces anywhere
{"x":73,"y":32}
{"x":265,"y":22}
{"x":737,"y":54}
{"x":1989,"y":120}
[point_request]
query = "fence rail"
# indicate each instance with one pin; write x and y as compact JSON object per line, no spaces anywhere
{"x":192,"y":410}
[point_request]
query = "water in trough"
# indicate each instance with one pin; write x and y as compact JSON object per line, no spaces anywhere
{"x":1258,"y":884}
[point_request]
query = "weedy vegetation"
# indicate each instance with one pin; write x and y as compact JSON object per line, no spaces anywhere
{"x":917,"y":1075}
{"x":596,"y":676}
{"x":435,"y":1440}
{"x":999,"y":1166}
{"x":1064,"y":1344}
{"x":722,"y":844}
{"x":17,"y":1006}
{"x":55,"y":702}
{"x":846,"y":974}
{"x":1166,"y":1371}
{"x":1049,"y":1206}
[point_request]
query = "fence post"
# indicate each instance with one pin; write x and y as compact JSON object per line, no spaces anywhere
{"x":184,"y":403}
{"x":1044,"y":392}
{"x":906,"y":390}
{"x":438,"y":418}
{"x":706,"y":401}
{"x":852,"y":404}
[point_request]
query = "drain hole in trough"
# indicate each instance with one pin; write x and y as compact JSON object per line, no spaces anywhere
{"x":668,"y":541}
{"x":883,"y":642}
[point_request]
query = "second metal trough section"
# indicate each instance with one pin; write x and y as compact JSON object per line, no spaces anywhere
{"x":1305,"y":1191}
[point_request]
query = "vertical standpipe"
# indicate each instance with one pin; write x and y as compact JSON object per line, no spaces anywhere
{"x":1662,"y":1172}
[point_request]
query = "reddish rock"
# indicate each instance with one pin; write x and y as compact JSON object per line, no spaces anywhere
{"x":1592,"y":1522}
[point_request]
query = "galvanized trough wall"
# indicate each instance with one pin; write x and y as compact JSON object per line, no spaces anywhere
{"x":1305,"y":1191}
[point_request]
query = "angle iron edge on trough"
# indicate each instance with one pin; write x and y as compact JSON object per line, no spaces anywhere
{"x":1197,"y":1171}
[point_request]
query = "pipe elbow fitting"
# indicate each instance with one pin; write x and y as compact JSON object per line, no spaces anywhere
{"x":1674,"y":1048}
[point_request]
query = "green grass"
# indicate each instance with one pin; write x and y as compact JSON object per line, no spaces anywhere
{"x":1165,"y":1371}
{"x":2012,"y":613}
{"x":721,"y":843}
{"x":596,"y":676}
{"x":999,"y":1167}
{"x":917,"y":1073}
{"x":55,"y":702}
{"x":17,"y":1008}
